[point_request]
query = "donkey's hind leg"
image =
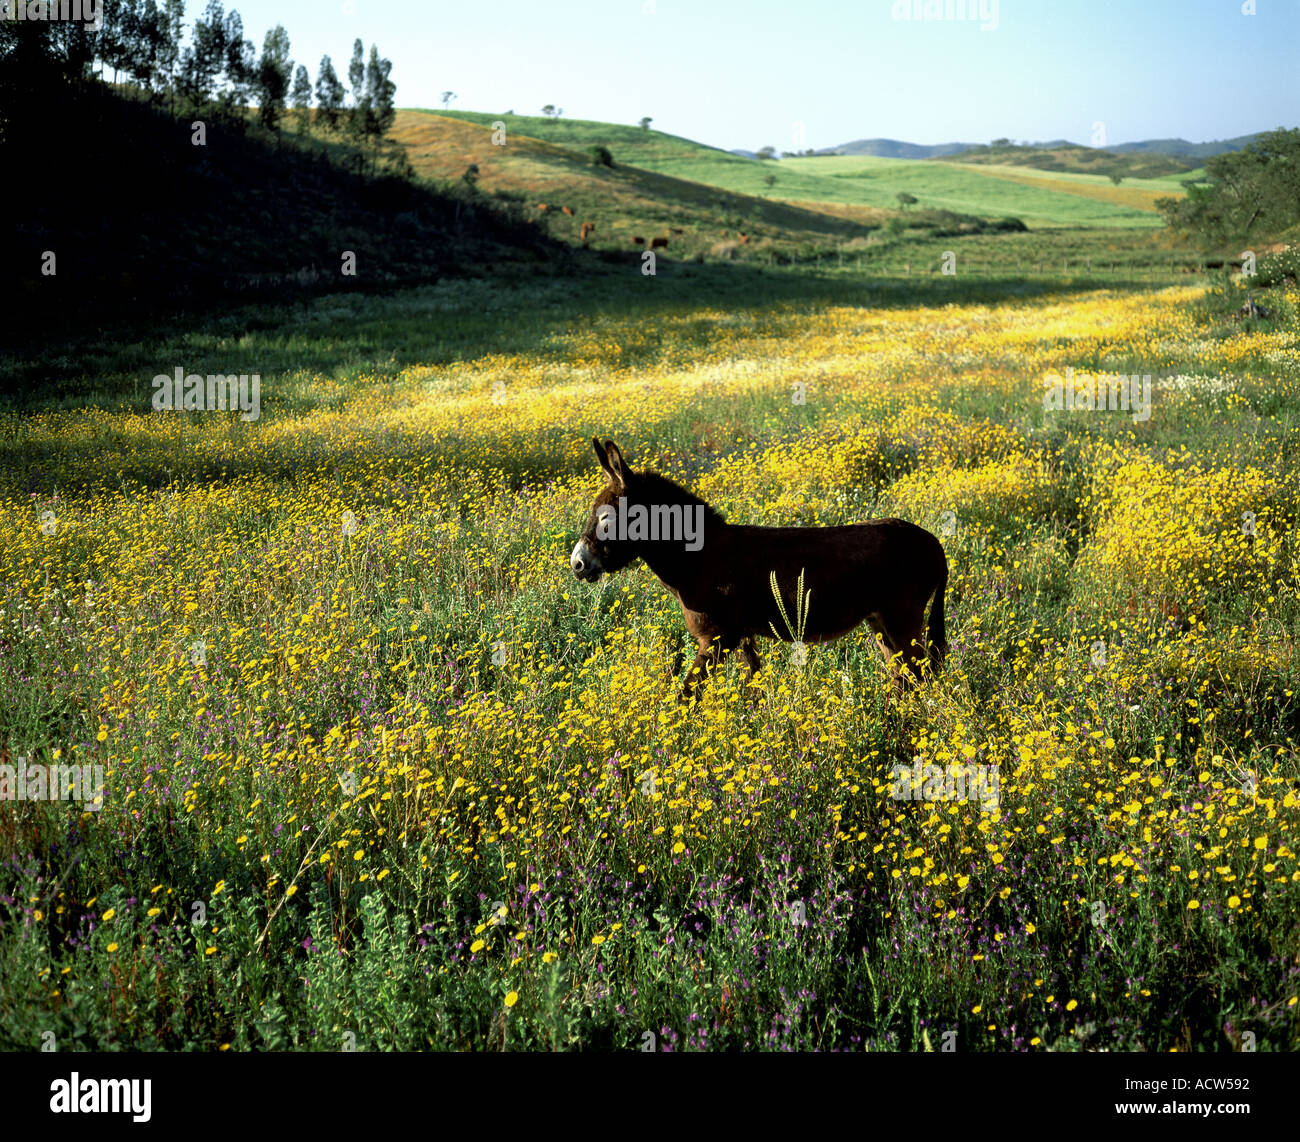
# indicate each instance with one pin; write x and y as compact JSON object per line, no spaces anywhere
{"x":753,"y":664}
{"x":906,"y":636}
{"x":885,"y":643}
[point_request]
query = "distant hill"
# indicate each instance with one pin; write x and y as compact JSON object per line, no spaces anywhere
{"x":894,"y":149}
{"x":1069,"y":157}
{"x":1173,"y":148}
{"x":1181,"y":148}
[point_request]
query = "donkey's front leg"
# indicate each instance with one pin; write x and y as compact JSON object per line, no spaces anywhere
{"x":710,"y":656}
{"x":753,"y":664}
{"x":676,"y":667}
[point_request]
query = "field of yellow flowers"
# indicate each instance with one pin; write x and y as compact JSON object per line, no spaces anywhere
{"x":378,"y":771}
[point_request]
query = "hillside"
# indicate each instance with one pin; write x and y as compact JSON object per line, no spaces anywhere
{"x":1070,"y":158}
{"x":232,"y":220}
{"x":1170,"y":148}
{"x":624,"y":201}
{"x":1041,"y":199}
{"x":895,"y":149}
{"x":628,"y":142}
{"x":1133,"y":194}
{"x":549,"y":157}
{"x":1181,"y":148}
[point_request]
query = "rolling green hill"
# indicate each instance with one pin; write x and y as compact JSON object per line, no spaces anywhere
{"x":1181,"y":148}
{"x":623,"y":201}
{"x":849,"y":187}
{"x":1043,"y":199}
{"x":628,"y":142}
{"x":1080,"y":160}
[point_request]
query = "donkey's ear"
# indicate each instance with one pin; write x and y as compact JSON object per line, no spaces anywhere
{"x":615,"y":465}
{"x":600,"y":455}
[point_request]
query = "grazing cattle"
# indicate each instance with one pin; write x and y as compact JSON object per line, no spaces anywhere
{"x":638,"y":241}
{"x":567,"y":210}
{"x":674,"y":230}
{"x":542,"y":206}
{"x":658,"y":243}
{"x":585,"y":230}
{"x":738,"y":583}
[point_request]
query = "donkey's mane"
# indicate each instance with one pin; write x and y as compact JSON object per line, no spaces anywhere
{"x":660,"y":489}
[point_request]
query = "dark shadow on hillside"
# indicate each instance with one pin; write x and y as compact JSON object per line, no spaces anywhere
{"x":139,"y":222}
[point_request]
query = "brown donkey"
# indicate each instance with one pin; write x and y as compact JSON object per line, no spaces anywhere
{"x":883,"y":572}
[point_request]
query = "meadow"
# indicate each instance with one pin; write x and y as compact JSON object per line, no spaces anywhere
{"x":381,"y":773}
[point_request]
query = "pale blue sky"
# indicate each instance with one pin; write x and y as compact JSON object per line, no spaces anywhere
{"x":743,"y":73}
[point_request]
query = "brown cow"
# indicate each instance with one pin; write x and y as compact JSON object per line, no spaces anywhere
{"x":542,"y":206}
{"x":674,"y":230}
{"x":658,"y":243}
{"x":585,"y":230}
{"x":567,"y":210}
{"x":638,"y":241}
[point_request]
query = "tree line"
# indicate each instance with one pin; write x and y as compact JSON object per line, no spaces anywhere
{"x":1250,"y":194}
{"x":217,"y":72}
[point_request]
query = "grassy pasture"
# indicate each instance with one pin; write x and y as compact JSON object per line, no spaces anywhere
{"x":623,"y":201}
{"x":552,"y":154}
{"x":377,"y":765}
{"x":1137,"y":194}
{"x":1039,"y":198}
{"x":1079,"y":160}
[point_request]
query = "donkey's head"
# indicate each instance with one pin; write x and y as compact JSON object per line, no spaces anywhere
{"x":601,"y":548}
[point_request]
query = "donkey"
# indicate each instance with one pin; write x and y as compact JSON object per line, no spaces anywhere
{"x":883,"y":571}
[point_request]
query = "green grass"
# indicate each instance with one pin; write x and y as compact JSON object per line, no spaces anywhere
{"x":954,"y":186}
{"x":628,"y":142}
{"x":846,"y":180}
{"x":186,"y":528}
{"x":1081,"y":160}
{"x":623,"y":201}
{"x":706,"y":952}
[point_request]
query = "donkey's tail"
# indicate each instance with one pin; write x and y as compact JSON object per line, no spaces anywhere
{"x":938,"y":636}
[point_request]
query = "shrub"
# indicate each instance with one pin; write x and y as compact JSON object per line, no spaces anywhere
{"x":1274,"y":269}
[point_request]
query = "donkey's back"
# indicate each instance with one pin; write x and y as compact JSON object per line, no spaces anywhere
{"x":883,"y":572}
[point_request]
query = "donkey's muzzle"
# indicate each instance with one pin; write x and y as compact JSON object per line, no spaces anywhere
{"x":584,"y":564}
